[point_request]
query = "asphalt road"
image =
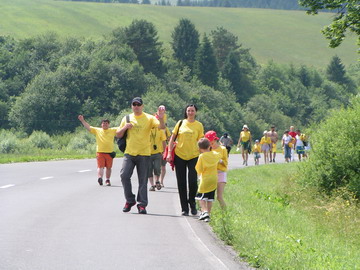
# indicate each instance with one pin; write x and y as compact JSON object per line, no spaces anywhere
{"x":54,"y":215}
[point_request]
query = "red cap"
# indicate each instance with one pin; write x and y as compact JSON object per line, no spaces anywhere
{"x":211,"y":136}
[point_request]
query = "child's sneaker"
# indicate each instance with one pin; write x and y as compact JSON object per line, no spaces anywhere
{"x":204,"y":215}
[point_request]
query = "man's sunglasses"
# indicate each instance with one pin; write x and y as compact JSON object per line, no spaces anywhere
{"x":137,"y":104}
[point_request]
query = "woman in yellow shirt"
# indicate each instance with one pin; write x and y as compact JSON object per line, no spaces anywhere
{"x":187,"y":133}
{"x":265,"y":146}
{"x":245,"y":142}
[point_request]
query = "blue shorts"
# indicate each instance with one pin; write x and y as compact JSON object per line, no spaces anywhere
{"x":300,"y":150}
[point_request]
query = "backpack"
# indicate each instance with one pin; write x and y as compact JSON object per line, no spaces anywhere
{"x":121,"y":142}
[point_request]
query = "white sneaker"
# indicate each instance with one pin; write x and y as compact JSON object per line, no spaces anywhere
{"x":204,"y":215}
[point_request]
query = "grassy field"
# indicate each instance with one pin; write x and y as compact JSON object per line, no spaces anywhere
{"x":284,"y":36}
{"x":274,"y":223}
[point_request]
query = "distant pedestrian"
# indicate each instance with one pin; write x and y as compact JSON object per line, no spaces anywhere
{"x":187,"y":132}
{"x":206,"y":168}
{"x":286,"y":141}
{"x":292,"y":133}
{"x":265,"y":146}
{"x":299,"y":145}
{"x":257,"y":150}
{"x":226,"y":141}
{"x":137,"y":152}
{"x":157,"y":146}
{"x":222,"y":166}
{"x":104,"y":148}
{"x":245,"y":144}
{"x":274,"y":138}
{"x":163,"y":160}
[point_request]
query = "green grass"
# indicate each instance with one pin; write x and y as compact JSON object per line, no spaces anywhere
{"x":284,"y":36}
{"x":274,"y":223}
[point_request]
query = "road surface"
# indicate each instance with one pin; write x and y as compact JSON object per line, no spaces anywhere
{"x":54,"y":215}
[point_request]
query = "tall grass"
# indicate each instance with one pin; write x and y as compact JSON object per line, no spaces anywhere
{"x":274,"y":223}
{"x":280,"y":35}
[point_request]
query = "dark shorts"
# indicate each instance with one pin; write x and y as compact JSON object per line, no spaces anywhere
{"x":209,"y":196}
{"x":300,"y":150}
{"x":245,"y":145}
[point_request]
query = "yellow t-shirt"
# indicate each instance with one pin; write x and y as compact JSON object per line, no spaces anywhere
{"x":224,"y":157}
{"x":188,"y":136}
{"x":157,"y":136}
{"x":265,"y":140}
{"x":104,"y":139}
{"x":245,"y":136}
{"x":167,"y":133}
{"x":257,"y":148}
{"x":138,"y":137}
{"x":206,"y":168}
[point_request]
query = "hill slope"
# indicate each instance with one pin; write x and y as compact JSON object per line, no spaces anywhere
{"x":285,"y":36}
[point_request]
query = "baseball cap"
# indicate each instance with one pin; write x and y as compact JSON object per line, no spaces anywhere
{"x":137,"y":100}
{"x":211,"y":136}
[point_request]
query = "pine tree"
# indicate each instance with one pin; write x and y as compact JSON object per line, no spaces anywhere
{"x":205,"y":66}
{"x":336,"y":71}
{"x":185,"y":42}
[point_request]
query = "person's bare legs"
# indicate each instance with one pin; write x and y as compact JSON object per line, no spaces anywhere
{"x":220,"y":193}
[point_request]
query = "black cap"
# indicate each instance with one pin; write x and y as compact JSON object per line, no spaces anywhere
{"x":137,"y":100}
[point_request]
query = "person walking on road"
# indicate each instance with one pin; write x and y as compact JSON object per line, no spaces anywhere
{"x":206,"y":168}
{"x":222,"y":165}
{"x":265,"y":146}
{"x":104,"y":148}
{"x":226,"y":141}
{"x":158,"y":144}
{"x":137,"y":152}
{"x":245,"y":143}
{"x":274,"y":138}
{"x":286,"y":144}
{"x":187,"y":133}
{"x":163,"y":160}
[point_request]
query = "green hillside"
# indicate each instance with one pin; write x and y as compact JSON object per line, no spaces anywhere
{"x":285,"y":36}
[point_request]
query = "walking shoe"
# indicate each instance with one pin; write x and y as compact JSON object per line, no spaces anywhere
{"x":244,"y":162}
{"x":207,"y":219}
{"x":152,"y":188}
{"x":193,"y":209}
{"x":128,"y":206}
{"x":158,"y":186}
{"x":107,"y":182}
{"x":204,"y":215}
{"x":184,"y":213}
{"x":100,"y":181}
{"x":274,"y":160}
{"x":141,"y":209}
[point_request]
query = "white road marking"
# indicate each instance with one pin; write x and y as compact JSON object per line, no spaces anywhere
{"x":216,"y":258}
{"x":84,"y":171}
{"x":7,"y":186}
{"x":47,"y":177}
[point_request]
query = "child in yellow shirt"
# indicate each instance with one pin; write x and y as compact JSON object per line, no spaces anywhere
{"x":257,"y":150}
{"x":206,"y":168}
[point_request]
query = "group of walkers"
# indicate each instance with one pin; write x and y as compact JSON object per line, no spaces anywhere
{"x":291,"y":142}
{"x":193,"y":153}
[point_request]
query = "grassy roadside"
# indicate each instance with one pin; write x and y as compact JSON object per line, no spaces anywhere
{"x":274,"y":223}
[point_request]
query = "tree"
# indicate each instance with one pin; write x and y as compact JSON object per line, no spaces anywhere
{"x":347,"y":18}
{"x":205,"y":65}
{"x":185,"y":42}
{"x":146,"y":2}
{"x":143,"y":38}
{"x":223,"y":42}
{"x":336,"y":71}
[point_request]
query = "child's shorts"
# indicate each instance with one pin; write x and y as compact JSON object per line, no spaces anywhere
{"x":222,"y":177}
{"x":300,"y":150}
{"x":104,"y":160}
{"x":256,"y":155}
{"x":209,"y":196}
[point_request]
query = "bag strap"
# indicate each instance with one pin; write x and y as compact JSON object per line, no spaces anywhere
{"x":177,"y":133}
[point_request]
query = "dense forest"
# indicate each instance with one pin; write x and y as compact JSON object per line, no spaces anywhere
{"x":46,"y":81}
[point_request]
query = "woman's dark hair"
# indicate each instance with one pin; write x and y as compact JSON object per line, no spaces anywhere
{"x":190,"y":105}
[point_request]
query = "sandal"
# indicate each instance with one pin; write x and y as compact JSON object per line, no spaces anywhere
{"x":158,"y":186}
{"x":152,"y":188}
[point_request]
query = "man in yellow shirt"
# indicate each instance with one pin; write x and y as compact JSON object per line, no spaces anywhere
{"x":137,"y":152}
{"x":104,"y":147}
{"x":245,"y":143}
